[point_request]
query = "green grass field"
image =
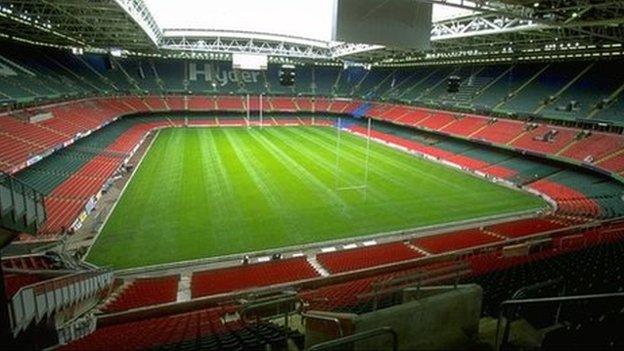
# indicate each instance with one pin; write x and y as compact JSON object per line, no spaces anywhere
{"x":211,"y":192}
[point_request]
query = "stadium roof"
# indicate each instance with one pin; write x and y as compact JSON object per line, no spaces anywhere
{"x":488,"y":30}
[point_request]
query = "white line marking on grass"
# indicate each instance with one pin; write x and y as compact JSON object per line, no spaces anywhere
{"x":123,"y":190}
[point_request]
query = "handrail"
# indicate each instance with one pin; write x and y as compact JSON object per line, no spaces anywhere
{"x":522,"y":291}
{"x":324,"y":318}
{"x":40,"y":299}
{"x":358,"y":337}
{"x":562,"y":299}
{"x":501,"y":339}
{"x":278,"y":302}
{"x":311,"y":283}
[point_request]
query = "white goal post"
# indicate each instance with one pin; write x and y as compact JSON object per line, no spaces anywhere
{"x":363,"y":186}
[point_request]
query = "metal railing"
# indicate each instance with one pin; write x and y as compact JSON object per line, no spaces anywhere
{"x":34,"y":302}
{"x":341,"y":343}
{"x":509,"y":309}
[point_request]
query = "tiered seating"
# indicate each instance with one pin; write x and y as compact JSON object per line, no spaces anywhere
{"x":202,"y":103}
{"x":441,"y":243}
{"x":304,"y":104}
{"x":14,"y":151}
{"x":31,"y":132}
{"x":175,"y":103}
{"x":339,"y":106}
{"x":283,"y":104}
{"x":413,"y":117}
{"x":524,"y":227}
{"x":570,"y":201}
{"x":78,"y":187}
{"x":249,"y":276}
{"x":61,"y":214}
{"x":353,"y":259}
{"x":75,"y":114}
{"x":395,"y":113}
{"x":321,"y":105}
{"x":145,"y":292}
{"x":594,"y":147}
{"x":100,"y":167}
{"x":437,"y":120}
{"x":149,"y":333}
{"x":155,"y":103}
{"x":137,"y":104}
{"x":498,"y":171}
{"x":377,"y":110}
{"x":500,"y":132}
{"x":225,"y":103}
{"x":534,"y":139}
{"x":128,"y":141}
{"x":114,"y":105}
{"x":590,"y":268}
{"x":467,"y":162}
{"x":357,"y":295}
{"x":32,"y":262}
{"x":465,"y":125}
{"x":614,"y":163}
{"x":408,"y":144}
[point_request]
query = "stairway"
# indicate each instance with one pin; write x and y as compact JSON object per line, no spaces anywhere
{"x":467,"y":90}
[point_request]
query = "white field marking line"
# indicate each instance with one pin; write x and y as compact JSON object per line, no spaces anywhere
{"x":260,"y":177}
{"x":389,"y":176}
{"x":123,"y":190}
{"x":311,"y":153}
{"x":403,"y":233}
{"x":393,"y":236}
{"x":222,"y":177}
{"x":349,"y":178}
{"x":494,"y":180}
{"x":379,"y":157}
{"x":299,"y":171}
{"x":392,"y":162}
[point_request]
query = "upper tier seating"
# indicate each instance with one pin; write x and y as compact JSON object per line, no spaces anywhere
{"x":546,"y":139}
{"x":594,"y":147}
{"x":500,"y":131}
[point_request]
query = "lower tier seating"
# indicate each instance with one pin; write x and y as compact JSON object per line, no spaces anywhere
{"x":447,"y":242}
{"x":249,"y":276}
{"x":154,"y":332}
{"x":352,"y":259}
{"x":144,"y":292}
{"x":524,"y":227}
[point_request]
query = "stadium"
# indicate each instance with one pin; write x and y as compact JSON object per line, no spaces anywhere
{"x":312,"y":175}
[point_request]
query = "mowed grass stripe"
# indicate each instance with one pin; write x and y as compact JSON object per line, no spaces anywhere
{"x":211,"y":192}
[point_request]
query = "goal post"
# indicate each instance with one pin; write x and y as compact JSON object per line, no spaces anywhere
{"x":361,"y":185}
